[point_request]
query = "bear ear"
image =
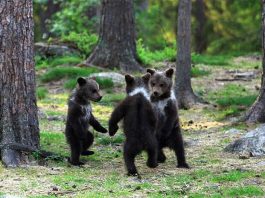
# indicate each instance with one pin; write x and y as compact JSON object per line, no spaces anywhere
{"x":81,"y":81}
{"x":146,"y":78}
{"x":129,"y":79}
{"x":169,"y":72}
{"x":151,"y":71}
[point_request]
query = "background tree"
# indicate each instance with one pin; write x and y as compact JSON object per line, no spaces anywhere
{"x":200,"y":35}
{"x":257,"y":112}
{"x":185,"y":94}
{"x":18,"y":110}
{"x":116,"y":45}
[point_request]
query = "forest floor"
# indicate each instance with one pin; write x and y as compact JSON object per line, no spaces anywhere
{"x":206,"y":129}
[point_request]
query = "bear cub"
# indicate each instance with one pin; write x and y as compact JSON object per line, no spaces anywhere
{"x":138,"y":123}
{"x":79,"y":118}
{"x":168,"y":131}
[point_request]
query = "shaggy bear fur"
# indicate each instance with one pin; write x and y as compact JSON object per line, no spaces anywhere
{"x":168,"y":131}
{"x":79,"y":117}
{"x":139,"y":123}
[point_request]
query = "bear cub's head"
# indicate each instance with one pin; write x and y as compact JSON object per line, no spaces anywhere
{"x":137,"y":84}
{"x":87,"y":89}
{"x":160,"y":83}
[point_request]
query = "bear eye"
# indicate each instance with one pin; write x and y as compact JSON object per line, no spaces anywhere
{"x":153,"y":84}
{"x":161,"y":85}
{"x":94,"y":91}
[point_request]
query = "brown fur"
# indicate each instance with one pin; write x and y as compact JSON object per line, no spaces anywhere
{"x":168,"y":131}
{"x":79,"y":117}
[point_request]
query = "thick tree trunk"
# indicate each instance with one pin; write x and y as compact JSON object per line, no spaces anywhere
{"x":116,"y":46}
{"x":18,"y":110}
{"x":257,"y":112}
{"x":184,"y":92}
{"x":200,"y":36}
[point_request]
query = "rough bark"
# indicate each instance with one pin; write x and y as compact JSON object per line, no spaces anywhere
{"x":200,"y":36}
{"x":184,"y":92}
{"x":257,"y":111}
{"x":116,"y":46}
{"x":18,"y":110}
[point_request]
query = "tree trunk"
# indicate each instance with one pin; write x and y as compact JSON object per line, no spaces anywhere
{"x":184,"y":92}
{"x":116,"y":46}
{"x":200,"y":36}
{"x":257,"y":112}
{"x":18,"y":109}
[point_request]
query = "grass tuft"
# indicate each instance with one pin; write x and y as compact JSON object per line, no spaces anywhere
{"x":58,"y":73}
{"x":41,"y":93}
{"x":250,"y":191}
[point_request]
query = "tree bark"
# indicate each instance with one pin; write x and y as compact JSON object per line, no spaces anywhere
{"x":18,"y":109}
{"x":116,"y":46}
{"x":185,"y":95}
{"x":200,"y":36}
{"x":257,"y":111}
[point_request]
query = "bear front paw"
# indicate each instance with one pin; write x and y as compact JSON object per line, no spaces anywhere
{"x":113,"y":130}
{"x":103,"y":130}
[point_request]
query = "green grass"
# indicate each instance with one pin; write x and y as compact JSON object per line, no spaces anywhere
{"x":42,"y":93}
{"x":197,"y":72}
{"x":232,"y":99}
{"x":221,"y":60}
{"x":58,"y":73}
{"x":232,"y":176}
{"x":110,"y":99}
{"x":56,"y":61}
{"x":249,"y":191}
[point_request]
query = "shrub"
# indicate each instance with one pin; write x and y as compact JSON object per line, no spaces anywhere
{"x":85,"y":42}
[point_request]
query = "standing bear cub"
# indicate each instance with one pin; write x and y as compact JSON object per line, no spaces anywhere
{"x":139,"y":123}
{"x":168,"y":131}
{"x":79,"y":118}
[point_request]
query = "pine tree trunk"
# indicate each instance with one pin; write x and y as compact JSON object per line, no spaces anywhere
{"x":18,"y":110}
{"x":116,"y":46}
{"x":184,"y":92}
{"x":200,"y":36}
{"x":257,"y":112}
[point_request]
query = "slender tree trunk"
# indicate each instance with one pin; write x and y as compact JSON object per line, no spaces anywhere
{"x":257,"y":112}
{"x":184,"y":92}
{"x":116,"y":46}
{"x":18,"y":110}
{"x":200,"y":36}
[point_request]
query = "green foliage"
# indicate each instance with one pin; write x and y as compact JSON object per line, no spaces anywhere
{"x":234,"y":26}
{"x":246,"y":191}
{"x":104,"y":83}
{"x":58,"y":73}
{"x":41,"y":93}
{"x":85,"y":42}
{"x":55,"y":61}
{"x":156,"y":24}
{"x":148,"y":57}
{"x":73,"y":17}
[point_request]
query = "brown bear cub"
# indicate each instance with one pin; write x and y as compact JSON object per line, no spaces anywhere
{"x":138,"y":122}
{"x":79,"y":118}
{"x":168,"y":131}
